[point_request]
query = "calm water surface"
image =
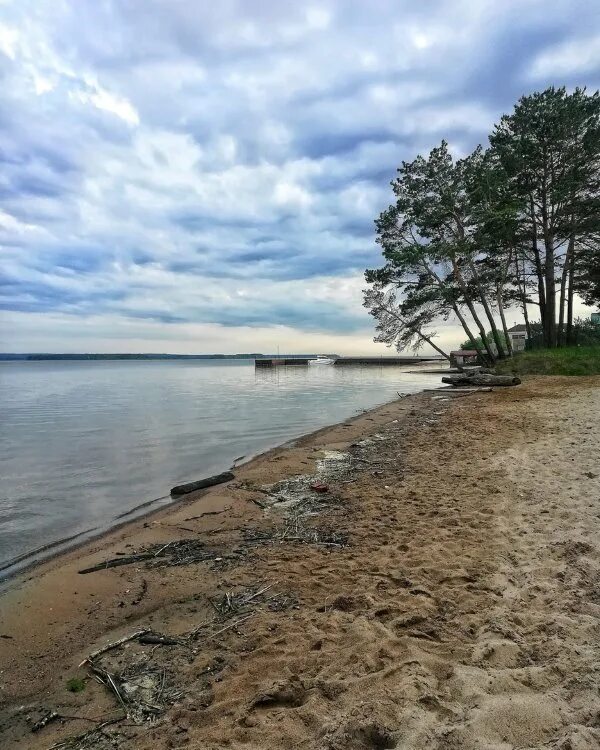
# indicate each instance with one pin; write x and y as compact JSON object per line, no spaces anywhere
{"x":81,"y":443}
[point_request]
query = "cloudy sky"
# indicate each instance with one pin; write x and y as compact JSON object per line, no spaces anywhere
{"x":186,"y":176}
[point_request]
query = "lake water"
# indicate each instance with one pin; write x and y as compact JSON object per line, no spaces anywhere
{"x":82,"y":443}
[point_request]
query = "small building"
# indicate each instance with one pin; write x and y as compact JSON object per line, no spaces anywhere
{"x":518,"y":337}
{"x":595,"y":318}
{"x":462,"y":357}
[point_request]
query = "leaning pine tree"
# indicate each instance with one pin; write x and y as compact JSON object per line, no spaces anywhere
{"x":516,"y":224}
{"x":430,"y":241}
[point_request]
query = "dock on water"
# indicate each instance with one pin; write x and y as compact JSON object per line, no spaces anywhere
{"x":342,"y":361}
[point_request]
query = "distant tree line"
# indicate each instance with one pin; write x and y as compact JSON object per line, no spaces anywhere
{"x":512,"y":225}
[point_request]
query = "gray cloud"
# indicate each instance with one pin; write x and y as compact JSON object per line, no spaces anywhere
{"x":221,"y":164}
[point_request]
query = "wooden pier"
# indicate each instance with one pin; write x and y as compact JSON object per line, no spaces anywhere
{"x":281,"y":362}
{"x":345,"y":361}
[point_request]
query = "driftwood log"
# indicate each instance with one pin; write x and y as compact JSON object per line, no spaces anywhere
{"x":481,"y":379}
{"x":183,"y":489}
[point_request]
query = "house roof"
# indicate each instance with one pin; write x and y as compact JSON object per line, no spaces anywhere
{"x":519,"y":328}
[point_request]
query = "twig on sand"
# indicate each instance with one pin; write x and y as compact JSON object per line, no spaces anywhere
{"x":168,"y":544}
{"x":208,"y":513}
{"x":78,"y":739}
{"x":107,"y":679}
{"x":45,"y":720}
{"x":131,"y":637}
{"x":195,"y":631}
{"x":154,"y":639}
{"x":118,"y":562}
{"x":257,"y":502}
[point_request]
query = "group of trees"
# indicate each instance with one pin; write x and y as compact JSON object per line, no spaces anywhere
{"x":512,"y":225}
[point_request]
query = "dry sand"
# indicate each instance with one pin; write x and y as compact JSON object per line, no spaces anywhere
{"x":464,"y":612}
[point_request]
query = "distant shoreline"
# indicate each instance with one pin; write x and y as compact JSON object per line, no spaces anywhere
{"x":37,"y":357}
{"x":80,"y":357}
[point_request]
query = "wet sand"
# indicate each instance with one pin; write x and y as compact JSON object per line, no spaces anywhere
{"x":463,"y":612}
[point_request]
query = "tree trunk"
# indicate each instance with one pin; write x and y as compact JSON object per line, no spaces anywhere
{"x":473,"y":311}
{"x":433,"y":275}
{"x":428,"y":340}
{"x":523,"y":293}
{"x":527,"y":323}
{"x":503,"y":319}
{"x":563,"y":290}
{"x":417,"y":332}
{"x":549,"y":261}
{"x":550,"y":283}
{"x":538,"y":263}
{"x":570,"y":296}
{"x":488,"y":311}
{"x":474,"y":343}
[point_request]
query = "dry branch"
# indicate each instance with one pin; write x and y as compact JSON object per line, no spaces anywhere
{"x":114,"y":644}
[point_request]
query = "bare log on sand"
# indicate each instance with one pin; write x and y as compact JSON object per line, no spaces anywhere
{"x":481,"y":379}
{"x":183,"y":489}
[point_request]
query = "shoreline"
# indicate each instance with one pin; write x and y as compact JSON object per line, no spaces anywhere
{"x":440,"y":587}
{"x":172,"y":504}
{"x":31,"y":560}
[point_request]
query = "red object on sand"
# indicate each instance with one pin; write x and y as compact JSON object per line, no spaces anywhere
{"x":319,"y":487}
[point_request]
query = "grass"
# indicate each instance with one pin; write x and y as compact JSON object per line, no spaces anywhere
{"x":576,"y":360}
{"x":75,"y":685}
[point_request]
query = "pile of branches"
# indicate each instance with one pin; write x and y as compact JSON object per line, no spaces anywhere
{"x":236,"y":604}
{"x":142,"y":690}
{"x":294,"y":529}
{"x":177,"y":552}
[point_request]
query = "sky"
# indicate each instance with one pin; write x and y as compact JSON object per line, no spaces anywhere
{"x":185,"y":176}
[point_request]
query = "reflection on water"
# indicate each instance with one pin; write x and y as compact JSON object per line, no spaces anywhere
{"x":81,"y":443}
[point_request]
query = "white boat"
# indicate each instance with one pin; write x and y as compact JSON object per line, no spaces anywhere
{"x":321,"y":360}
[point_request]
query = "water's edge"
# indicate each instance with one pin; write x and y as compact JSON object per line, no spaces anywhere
{"x":28,"y":561}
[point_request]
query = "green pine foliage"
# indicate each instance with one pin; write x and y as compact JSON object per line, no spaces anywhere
{"x":510,"y":226}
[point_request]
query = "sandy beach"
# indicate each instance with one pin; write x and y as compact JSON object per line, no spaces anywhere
{"x":441,"y":592}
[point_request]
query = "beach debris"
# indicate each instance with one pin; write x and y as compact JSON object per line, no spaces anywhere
{"x":114,"y":644}
{"x":94,"y":739}
{"x":298,"y":492}
{"x":174,"y":553}
{"x":231,"y":604}
{"x":46,"y":719}
{"x":449,"y":390}
{"x":294,"y":529}
{"x":143,"y":691}
{"x":184,"y":489}
{"x":208,"y":513}
{"x":156,"y":639}
{"x":232,"y":625}
{"x":117,"y":562}
{"x":481,"y":379}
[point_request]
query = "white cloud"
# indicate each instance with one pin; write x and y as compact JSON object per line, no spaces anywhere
{"x":568,"y":58}
{"x":206,"y":162}
{"x":8,"y":41}
{"x":110,"y":103}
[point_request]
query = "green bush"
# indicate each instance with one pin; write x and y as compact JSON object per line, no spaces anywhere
{"x":574,"y":360}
